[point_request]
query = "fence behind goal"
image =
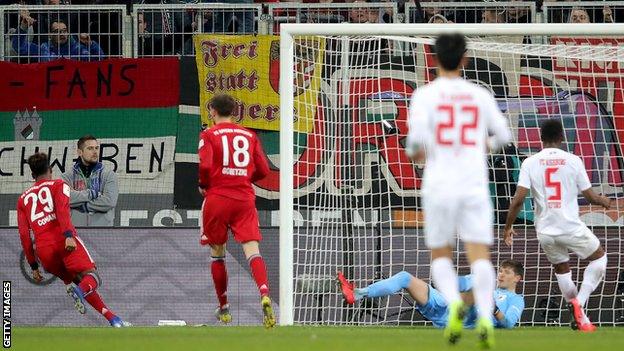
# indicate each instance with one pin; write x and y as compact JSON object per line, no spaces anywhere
{"x":355,"y":204}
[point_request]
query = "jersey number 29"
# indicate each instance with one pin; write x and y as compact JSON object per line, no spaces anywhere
{"x":240,"y":156}
{"x":44,"y":197}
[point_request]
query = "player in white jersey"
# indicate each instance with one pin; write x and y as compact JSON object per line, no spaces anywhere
{"x":555,"y":178}
{"x":449,"y":122}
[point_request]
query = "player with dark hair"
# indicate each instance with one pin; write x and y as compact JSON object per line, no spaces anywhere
{"x":230,"y":160}
{"x":555,"y":178}
{"x":44,"y":209}
{"x":432,"y":305}
{"x":449,"y":122}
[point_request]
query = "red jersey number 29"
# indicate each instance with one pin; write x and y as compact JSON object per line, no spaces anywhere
{"x":240,"y":156}
{"x":471,"y":125}
{"x":43,"y":197}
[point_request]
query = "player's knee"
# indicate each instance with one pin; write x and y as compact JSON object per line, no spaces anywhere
{"x":561,"y":268}
{"x":95,"y":276}
{"x":600,"y":264}
{"x":217,"y":250}
{"x":404,"y":279}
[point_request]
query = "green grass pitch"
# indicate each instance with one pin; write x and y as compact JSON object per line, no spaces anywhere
{"x":305,"y":338}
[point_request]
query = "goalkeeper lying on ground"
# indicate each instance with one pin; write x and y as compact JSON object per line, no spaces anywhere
{"x":432,"y":305}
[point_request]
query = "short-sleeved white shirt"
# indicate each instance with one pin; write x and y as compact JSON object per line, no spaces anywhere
{"x":555,"y":178}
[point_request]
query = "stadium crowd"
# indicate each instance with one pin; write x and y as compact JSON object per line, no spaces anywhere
{"x":92,"y":34}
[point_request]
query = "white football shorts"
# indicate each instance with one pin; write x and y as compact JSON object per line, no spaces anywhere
{"x":470,"y":217}
{"x":557,"y":247}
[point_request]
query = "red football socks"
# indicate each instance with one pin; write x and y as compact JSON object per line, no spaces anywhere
{"x":220,"y":279}
{"x":259,"y":273}
{"x":95,"y":300}
{"x":88,"y":284}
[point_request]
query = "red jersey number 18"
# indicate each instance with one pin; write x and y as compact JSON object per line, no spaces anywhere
{"x":240,"y":156}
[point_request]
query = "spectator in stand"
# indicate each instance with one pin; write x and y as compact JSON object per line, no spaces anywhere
{"x":492,"y":16}
{"x":231,"y":21}
{"x":579,"y":15}
{"x":362,"y":14}
{"x":94,"y":188}
{"x":607,"y":15}
{"x":168,"y":28}
{"x":439,"y":19}
{"x":144,"y":38}
{"x":60,"y":43}
{"x":517,"y":14}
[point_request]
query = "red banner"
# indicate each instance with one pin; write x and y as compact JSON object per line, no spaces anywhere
{"x":76,"y":85}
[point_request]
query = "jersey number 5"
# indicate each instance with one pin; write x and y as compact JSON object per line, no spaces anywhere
{"x":550,"y":183}
{"x":240,"y":156}
{"x":44,"y":197}
{"x":471,"y":110}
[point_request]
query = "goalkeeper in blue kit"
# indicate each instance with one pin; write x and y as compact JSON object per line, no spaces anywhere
{"x":432,"y":305}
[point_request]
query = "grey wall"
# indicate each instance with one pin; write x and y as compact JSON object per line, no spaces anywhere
{"x":148,"y":275}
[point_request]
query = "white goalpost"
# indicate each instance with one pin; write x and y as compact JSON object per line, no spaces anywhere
{"x":349,"y":197}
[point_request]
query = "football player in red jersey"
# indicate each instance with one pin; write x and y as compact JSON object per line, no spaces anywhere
{"x":230,"y":160}
{"x":44,"y":209}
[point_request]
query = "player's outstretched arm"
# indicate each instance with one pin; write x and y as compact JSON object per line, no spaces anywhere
{"x":514,"y":209}
{"x":596,"y":199}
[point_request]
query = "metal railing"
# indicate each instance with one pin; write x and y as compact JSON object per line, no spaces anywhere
{"x":91,"y":32}
{"x":583,"y":12}
{"x":42,"y":33}
{"x":471,"y":12}
{"x":164,"y":30}
{"x":382,"y":12}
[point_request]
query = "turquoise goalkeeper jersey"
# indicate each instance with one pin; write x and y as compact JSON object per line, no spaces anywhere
{"x":510,"y":303}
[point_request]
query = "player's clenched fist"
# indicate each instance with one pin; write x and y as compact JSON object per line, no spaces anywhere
{"x":70,"y":244}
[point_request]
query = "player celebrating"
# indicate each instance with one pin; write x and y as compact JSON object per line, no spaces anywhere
{"x":555,"y":178}
{"x":44,"y":209}
{"x":230,"y":159}
{"x":450,"y":119}
{"x":432,"y":305}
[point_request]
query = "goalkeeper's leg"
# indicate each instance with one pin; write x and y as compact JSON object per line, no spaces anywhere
{"x":417,"y":288}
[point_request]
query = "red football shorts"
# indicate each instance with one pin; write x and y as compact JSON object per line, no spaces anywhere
{"x":220,"y":213}
{"x":64,"y":264}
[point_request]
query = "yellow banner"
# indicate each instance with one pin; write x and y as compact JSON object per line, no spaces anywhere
{"x":247,"y":68}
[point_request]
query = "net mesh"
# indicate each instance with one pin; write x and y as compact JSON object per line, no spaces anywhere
{"x":356,"y":195}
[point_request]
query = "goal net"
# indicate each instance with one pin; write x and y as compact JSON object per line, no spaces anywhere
{"x":350,"y":197}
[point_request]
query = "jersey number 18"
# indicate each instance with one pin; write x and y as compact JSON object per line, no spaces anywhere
{"x":240,"y":156}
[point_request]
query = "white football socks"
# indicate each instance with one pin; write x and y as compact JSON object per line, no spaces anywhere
{"x":593,"y":274}
{"x":483,"y":287}
{"x":567,"y":286}
{"x":445,"y":279}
